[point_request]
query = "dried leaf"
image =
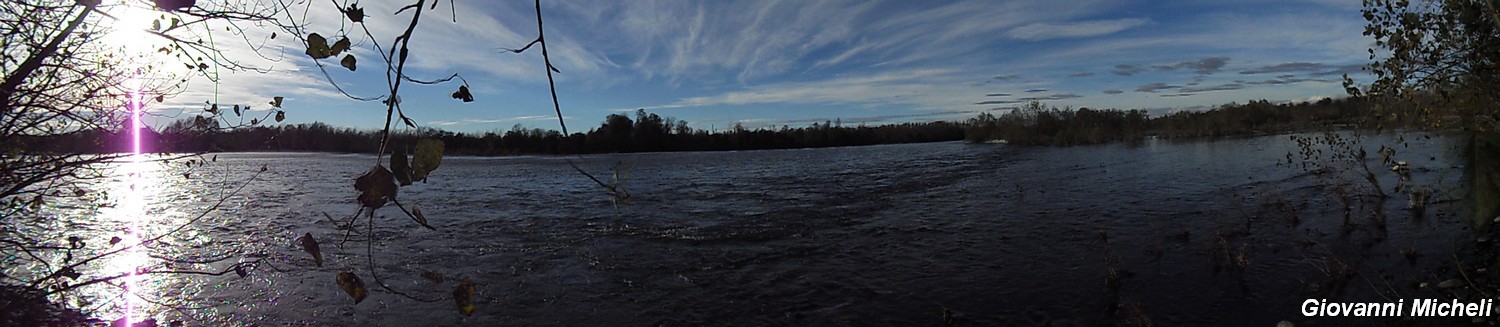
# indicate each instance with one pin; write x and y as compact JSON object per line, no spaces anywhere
{"x":348,"y":62}
{"x":463,"y":94}
{"x":240,"y":270}
{"x":70,"y":273}
{"x":400,"y":166}
{"x":174,"y":5}
{"x":311,"y":246}
{"x":160,"y":98}
{"x":317,"y":47}
{"x":236,"y":110}
{"x":416,"y":212}
{"x":463,"y":296}
{"x":276,"y":101}
{"x":280,"y":116}
{"x":339,"y":47}
{"x":115,"y":240}
{"x":428,"y":156}
{"x":355,"y":13}
{"x":352,"y":285}
{"x":375,"y":187}
{"x":433,"y":276}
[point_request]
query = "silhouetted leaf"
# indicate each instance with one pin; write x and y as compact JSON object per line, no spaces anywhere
{"x":240,"y":270}
{"x":352,"y":285}
{"x":276,"y":101}
{"x":174,"y":5}
{"x":375,"y":187}
{"x":463,"y":94}
{"x":339,"y":47}
{"x":70,"y":273}
{"x":273,"y":35}
{"x":311,"y":246}
{"x":236,"y":110}
{"x":416,"y":212}
{"x":159,"y":98}
{"x":428,"y":156}
{"x":74,"y":241}
{"x":280,"y":116}
{"x":115,"y":240}
{"x":400,"y":166}
{"x":463,"y":296}
{"x":348,"y":62}
{"x":355,"y":13}
{"x":317,"y":46}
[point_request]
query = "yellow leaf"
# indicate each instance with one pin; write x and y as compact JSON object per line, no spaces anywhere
{"x":463,"y":296}
{"x":352,"y":285}
{"x":427,"y":157}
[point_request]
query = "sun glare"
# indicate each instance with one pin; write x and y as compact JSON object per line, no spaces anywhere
{"x":129,"y":26}
{"x":131,"y":211}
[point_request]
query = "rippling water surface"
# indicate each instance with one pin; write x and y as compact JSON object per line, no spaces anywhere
{"x":888,"y":235}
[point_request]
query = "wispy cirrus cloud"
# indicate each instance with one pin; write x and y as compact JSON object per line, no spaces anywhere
{"x":748,"y":60}
{"x":923,"y":88}
{"x":1046,"y":31}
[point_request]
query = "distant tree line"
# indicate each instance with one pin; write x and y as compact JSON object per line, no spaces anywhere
{"x":1038,"y":124}
{"x":647,"y":132}
{"x":1031,"y":124}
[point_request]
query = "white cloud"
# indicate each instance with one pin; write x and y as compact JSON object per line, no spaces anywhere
{"x":929,"y":89}
{"x":1045,"y":31}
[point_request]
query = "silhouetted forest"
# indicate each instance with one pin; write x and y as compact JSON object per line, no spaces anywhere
{"x":1032,"y":124}
{"x":647,"y":132}
{"x":1037,"y":124}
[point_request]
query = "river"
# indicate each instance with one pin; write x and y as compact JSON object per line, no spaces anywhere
{"x":1181,"y":233}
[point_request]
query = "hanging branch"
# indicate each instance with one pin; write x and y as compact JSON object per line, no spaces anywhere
{"x":615,"y":187}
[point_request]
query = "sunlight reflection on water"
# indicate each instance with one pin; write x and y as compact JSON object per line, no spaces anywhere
{"x":129,"y":213}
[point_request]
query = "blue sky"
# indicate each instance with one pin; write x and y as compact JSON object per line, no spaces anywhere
{"x":772,"y":63}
